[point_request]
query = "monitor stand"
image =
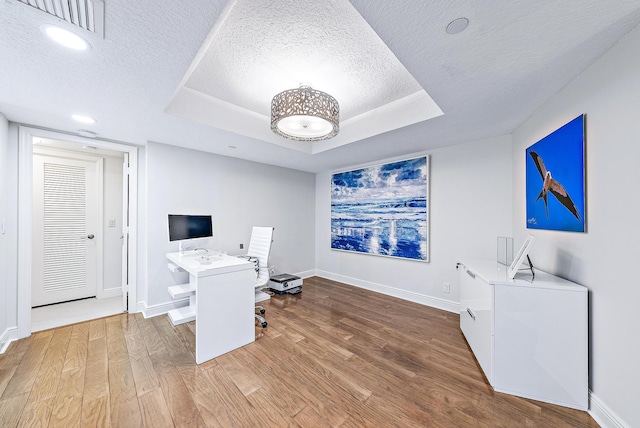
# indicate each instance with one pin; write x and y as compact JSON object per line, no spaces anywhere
{"x":190,"y":246}
{"x":184,"y":246}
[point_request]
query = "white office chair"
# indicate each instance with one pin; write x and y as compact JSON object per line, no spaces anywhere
{"x":259,"y":248}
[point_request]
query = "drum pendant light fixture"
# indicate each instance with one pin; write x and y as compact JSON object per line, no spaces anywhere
{"x":305,"y":114}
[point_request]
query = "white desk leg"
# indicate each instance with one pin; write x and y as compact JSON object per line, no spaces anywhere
{"x":224,"y":313}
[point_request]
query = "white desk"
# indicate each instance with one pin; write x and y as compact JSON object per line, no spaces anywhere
{"x":530,"y":337}
{"x":221,"y":301}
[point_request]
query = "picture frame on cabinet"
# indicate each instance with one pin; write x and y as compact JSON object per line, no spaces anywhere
{"x":519,"y":259}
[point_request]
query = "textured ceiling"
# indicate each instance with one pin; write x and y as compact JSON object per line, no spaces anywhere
{"x":259,"y":49}
{"x":263,"y":48}
{"x":487,"y":80}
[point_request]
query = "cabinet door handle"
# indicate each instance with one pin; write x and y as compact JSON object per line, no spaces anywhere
{"x":471,"y":314}
{"x":471,"y":274}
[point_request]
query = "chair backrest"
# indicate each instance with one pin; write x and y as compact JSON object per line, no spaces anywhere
{"x":260,"y":247}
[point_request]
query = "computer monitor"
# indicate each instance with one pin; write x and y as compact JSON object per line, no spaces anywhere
{"x":185,"y":227}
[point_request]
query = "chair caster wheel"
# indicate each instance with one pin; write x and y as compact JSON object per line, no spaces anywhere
{"x":264,"y":324}
{"x":262,"y":311}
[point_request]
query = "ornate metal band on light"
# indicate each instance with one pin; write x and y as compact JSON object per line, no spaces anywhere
{"x":305,"y":114}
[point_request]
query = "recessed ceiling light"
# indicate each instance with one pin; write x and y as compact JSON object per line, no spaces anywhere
{"x":65,"y":37}
{"x":457,"y":25}
{"x":83,"y":119}
{"x":86,"y":133}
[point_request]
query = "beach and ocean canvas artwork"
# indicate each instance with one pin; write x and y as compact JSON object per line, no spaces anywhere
{"x":555,"y":182}
{"x":382,"y":210}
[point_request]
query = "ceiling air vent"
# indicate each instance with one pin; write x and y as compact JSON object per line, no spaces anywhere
{"x":87,"y":14}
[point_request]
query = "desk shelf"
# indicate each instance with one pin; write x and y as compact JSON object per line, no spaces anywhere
{"x":182,"y":290}
{"x":182,"y":315}
{"x":174,"y":268}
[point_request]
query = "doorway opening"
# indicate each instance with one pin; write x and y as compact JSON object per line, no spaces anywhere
{"x":77,"y":234}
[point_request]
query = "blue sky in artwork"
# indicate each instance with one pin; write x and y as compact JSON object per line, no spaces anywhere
{"x":563,"y":155}
{"x":389,"y":181}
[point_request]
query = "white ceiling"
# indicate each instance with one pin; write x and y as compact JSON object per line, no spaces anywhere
{"x":259,"y":49}
{"x":487,"y":80}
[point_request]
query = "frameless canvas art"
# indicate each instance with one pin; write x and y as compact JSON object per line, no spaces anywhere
{"x":382,"y":210}
{"x":555,"y":180}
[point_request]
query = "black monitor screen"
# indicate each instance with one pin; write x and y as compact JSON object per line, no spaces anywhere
{"x":189,"y":227}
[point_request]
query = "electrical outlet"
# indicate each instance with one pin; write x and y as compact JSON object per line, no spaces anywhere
{"x":242,"y":246}
{"x":446,"y":288}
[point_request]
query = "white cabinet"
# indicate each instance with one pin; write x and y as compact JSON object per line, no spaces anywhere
{"x":530,"y":336}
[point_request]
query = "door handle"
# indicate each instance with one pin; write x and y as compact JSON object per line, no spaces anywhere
{"x":471,"y":314}
{"x":91,"y":236}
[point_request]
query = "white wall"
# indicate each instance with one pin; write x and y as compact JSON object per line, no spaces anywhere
{"x":238,"y":194}
{"x":470,"y":200}
{"x":605,"y":257}
{"x":9,"y":214}
{"x":4,"y":177}
{"x":112,"y":210}
{"x":140,"y":247}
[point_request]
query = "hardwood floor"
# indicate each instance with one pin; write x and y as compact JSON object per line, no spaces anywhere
{"x":333,"y":355}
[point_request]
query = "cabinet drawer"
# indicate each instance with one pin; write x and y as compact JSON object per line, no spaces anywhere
{"x":476,"y":318}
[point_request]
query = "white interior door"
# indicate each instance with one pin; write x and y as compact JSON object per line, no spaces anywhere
{"x":67,"y":190}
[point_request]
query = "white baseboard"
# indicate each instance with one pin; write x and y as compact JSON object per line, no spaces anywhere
{"x":446,"y":305}
{"x":8,"y":336}
{"x":306,"y":273}
{"x":163,"y":308}
{"x":603,"y":415}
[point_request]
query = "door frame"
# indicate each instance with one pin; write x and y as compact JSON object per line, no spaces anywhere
{"x":26,"y":135}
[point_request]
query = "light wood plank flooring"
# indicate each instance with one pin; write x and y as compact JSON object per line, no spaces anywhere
{"x":333,"y":356}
